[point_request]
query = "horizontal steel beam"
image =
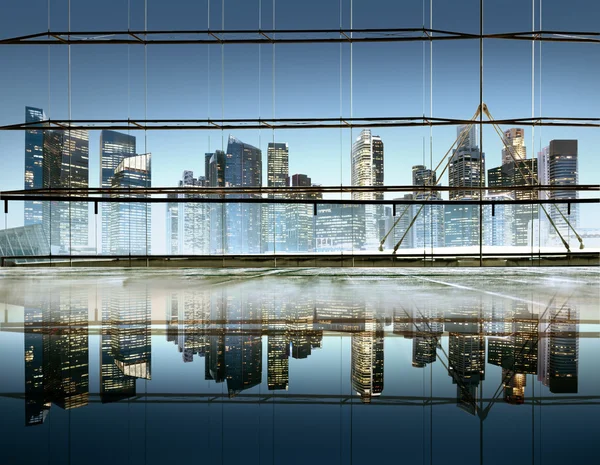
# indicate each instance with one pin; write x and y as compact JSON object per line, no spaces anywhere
{"x":286,"y":123}
{"x":283,"y":36}
{"x":140,"y":198}
{"x":193,"y":190}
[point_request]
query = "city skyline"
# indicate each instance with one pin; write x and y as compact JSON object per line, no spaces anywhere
{"x":241,"y":165}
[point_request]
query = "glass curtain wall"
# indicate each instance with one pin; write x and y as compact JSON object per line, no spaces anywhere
{"x":418,"y":129}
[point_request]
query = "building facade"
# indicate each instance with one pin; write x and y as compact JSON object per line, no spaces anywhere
{"x":130,"y":222}
{"x":367,"y":170}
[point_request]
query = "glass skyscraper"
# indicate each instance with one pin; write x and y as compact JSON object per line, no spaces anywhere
{"x":243,"y":168}
{"x":367,"y":170}
{"x":274,"y":224}
{"x":34,"y":155}
{"x":66,"y":165}
{"x":129,"y":222}
{"x":114,"y":147}
{"x":188,"y":224}
{"x":563,"y":171}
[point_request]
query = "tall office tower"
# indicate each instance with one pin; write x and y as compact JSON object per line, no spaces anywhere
{"x":498,"y":222}
{"x":215,"y":177}
{"x":404,"y":215}
{"x":300,"y":217}
{"x":367,"y":358}
{"x":470,"y":136}
{"x":340,"y":228}
{"x":114,"y":147}
{"x":515,"y":138}
{"x":188,"y":223}
{"x":558,"y":358}
{"x":367,"y":170}
{"x":544,"y":171}
{"x":243,"y":168}
{"x":34,"y":157}
{"x":274,"y":224}
{"x":513,"y":174}
{"x":129,"y":222}
{"x":126,"y":344}
{"x":428,"y":229}
{"x":66,"y":165}
{"x":562,"y":169}
{"x":466,"y":169}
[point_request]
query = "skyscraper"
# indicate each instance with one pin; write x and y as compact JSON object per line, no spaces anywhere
{"x":243,"y":168}
{"x":274,"y":225}
{"x":367,"y":170}
{"x":466,"y":169}
{"x":34,"y":156}
{"x":114,"y":147}
{"x":563,"y":171}
{"x":66,"y":165}
{"x":215,"y":177}
{"x":340,"y":228}
{"x":544,"y":171}
{"x":515,"y":137}
{"x":300,"y":217}
{"x":188,"y":223}
{"x":129,"y":222}
{"x":428,"y":229}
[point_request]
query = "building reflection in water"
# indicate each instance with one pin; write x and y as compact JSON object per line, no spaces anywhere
{"x":225,"y":326}
{"x":56,"y":354}
{"x":125,"y":343}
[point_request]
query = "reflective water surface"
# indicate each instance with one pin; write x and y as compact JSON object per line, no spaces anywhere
{"x":300,"y":366}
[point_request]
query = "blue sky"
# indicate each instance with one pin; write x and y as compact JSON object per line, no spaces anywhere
{"x":300,"y":80}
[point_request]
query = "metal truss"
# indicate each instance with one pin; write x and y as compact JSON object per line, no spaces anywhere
{"x":282,"y":36}
{"x":285,"y":123}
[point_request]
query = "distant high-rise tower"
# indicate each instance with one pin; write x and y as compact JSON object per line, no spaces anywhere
{"x":428,"y":229}
{"x":114,"y":147}
{"x":66,"y":165}
{"x":544,"y":171}
{"x":215,"y":177}
{"x":562,"y":169}
{"x":467,"y":168}
{"x":367,"y":170}
{"x":129,"y":222}
{"x":34,"y":156}
{"x":274,"y":225}
{"x":243,"y":168}
{"x":300,"y":217}
{"x":188,"y":223}
{"x":470,"y":137}
{"x":516,"y":151}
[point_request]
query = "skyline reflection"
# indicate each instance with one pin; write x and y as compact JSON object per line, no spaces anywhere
{"x":477,"y":345}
